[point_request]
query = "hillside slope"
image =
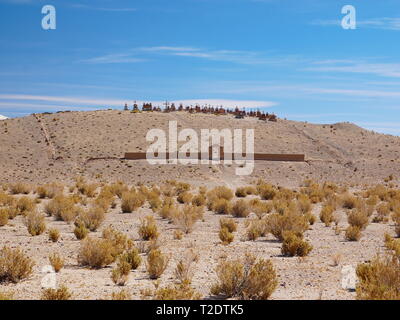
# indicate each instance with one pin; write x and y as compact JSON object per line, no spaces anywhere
{"x":46,"y":147}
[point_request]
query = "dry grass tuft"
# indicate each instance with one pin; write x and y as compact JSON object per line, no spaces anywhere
{"x":157,"y":262}
{"x":294,"y":245}
{"x":61,"y":293}
{"x":148,"y":229}
{"x":56,"y":261}
{"x":35,"y":223}
{"x":14,"y":265}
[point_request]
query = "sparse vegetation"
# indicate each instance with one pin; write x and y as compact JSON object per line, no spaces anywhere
{"x":148,"y":229}
{"x":56,"y":261}
{"x":156,"y":263}
{"x":14,"y":265}
{"x":35,"y":223}
{"x":61,"y":293}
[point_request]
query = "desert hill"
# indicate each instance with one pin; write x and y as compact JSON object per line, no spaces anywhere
{"x":47,"y":147}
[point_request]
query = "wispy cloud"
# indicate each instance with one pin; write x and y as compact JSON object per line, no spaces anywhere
{"x":385,"y":23}
{"x":233,"y":56}
{"x":84,"y":6}
{"x":349,"y":66}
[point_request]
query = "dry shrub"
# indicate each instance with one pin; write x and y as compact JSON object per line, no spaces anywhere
{"x":221,"y":206}
{"x":168,"y":211}
{"x":349,"y":201}
{"x":80,"y":231}
{"x":178,"y":235}
{"x":157,"y":262}
{"x":358,"y":218}
{"x":35,"y":223}
{"x":119,"y":275}
{"x":186,"y":217}
{"x":383,"y":212}
{"x":49,"y":190}
{"x":276,"y":224}
{"x":326,"y":215}
{"x":280,"y":206}
{"x":92,"y":218}
{"x":148,"y":228}
{"x":6,"y":200}
{"x":225,"y":235}
{"x":14,"y":265}
{"x":266,"y":191}
{"x":184,"y":197}
{"x":105,"y":200}
{"x":24,"y":205}
{"x":120,"y":241}
{"x":248,"y":279}
{"x":61,"y":293}
{"x":199,"y":200}
{"x":132,"y":257}
{"x":6,"y":296}
{"x":155,"y":202}
{"x":11,"y":211}
{"x":182,"y":291}
{"x":62,"y":208}
{"x":353,"y":233}
{"x":260,"y":208}
{"x":54,"y":235}
{"x":294,"y":245}
{"x":240,"y":209}
{"x":221,"y":192}
{"x":118,"y":188}
{"x":392,"y":244}
{"x":241,"y":192}
{"x":396,"y":220}
{"x":131,"y":201}
{"x":87,"y":189}
{"x":4,"y":216}
{"x":96,"y":253}
{"x":184,"y":268}
{"x":255,"y":230}
{"x":379,"y":279}
{"x":121,"y":295}
{"x":304,"y":204}
{"x":20,"y":188}
{"x":228,"y":223}
{"x":56,"y":261}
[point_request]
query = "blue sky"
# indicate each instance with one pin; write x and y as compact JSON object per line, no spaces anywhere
{"x":290,"y":56}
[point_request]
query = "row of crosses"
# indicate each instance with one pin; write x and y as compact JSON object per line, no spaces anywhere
{"x":208,"y":109}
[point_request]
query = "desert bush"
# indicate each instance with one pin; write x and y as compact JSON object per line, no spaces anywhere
{"x":121,"y":295}
{"x":304,"y":204}
{"x":120,"y":241}
{"x":54,"y":235}
{"x":326,"y":215}
{"x":56,"y":261}
{"x":168,"y":210}
{"x":87,"y":189}
{"x":105,"y":200}
{"x":49,"y":190}
{"x":148,"y":228}
{"x":294,"y":245}
{"x":96,"y":253}
{"x":4,"y":216}
{"x":248,"y":279}
{"x":383,"y":213}
{"x":379,"y":279}
{"x":221,"y":206}
{"x":118,"y":188}
{"x":178,"y":235}
{"x":186,"y":217}
{"x":131,"y":201}
{"x":266,"y":191}
{"x":92,"y":218}
{"x":6,"y":296}
{"x":24,"y":205}
{"x":14,"y":265}
{"x":61,"y":293}
{"x":358,"y":218}
{"x":276,"y":224}
{"x":156,"y":263}
{"x":80,"y":231}
{"x":35,"y":223}
{"x":155,"y":203}
{"x":199,"y":200}
{"x":119,"y":275}
{"x":62,"y":208}
{"x":260,"y":208}
{"x":240,"y":209}
{"x":132,"y":257}
{"x":241,"y":192}
{"x":184,"y":197}
{"x":228,"y":223}
{"x":221,"y":192}
{"x":280,"y":205}
{"x":255,"y":230}
{"x":20,"y":188}
{"x":348,"y":201}
{"x":10,"y":211}
{"x":182,"y":291}
{"x":310,"y":218}
{"x":184,"y":268}
{"x":353,"y":233}
{"x":225,"y":235}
